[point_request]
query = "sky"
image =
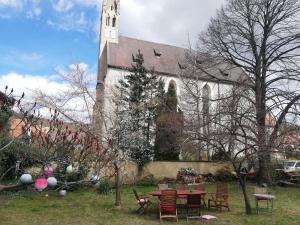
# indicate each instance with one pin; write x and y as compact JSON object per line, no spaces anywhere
{"x":40,"y":37}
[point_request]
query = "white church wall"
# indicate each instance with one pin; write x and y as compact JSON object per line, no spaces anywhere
{"x":114,"y":75}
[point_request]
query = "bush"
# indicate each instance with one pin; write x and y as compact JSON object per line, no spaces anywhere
{"x":18,"y":152}
{"x":225,"y":175}
{"x":104,"y":187}
{"x":148,"y":180}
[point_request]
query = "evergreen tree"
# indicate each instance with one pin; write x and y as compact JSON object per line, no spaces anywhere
{"x":169,"y":127}
{"x":137,"y":107}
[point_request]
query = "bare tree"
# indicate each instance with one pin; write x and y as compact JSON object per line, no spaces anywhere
{"x":76,"y":104}
{"x":261,"y":37}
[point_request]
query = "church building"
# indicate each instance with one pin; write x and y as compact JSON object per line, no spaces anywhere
{"x":115,"y":59}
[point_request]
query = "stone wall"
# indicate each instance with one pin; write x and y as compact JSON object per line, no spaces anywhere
{"x":169,"y":169}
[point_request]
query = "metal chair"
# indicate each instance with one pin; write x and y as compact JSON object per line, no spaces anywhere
{"x":143,"y":202}
{"x":261,"y":195}
{"x":220,"y":198}
{"x":167,"y":205}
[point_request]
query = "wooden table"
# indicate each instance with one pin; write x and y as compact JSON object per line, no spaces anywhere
{"x":179,"y":193}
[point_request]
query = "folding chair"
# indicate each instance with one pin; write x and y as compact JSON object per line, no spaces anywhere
{"x":143,"y":202}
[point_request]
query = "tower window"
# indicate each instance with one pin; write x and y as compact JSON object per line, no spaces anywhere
{"x":114,"y":21}
{"x":107,"y":21}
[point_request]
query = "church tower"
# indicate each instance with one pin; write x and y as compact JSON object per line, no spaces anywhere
{"x":109,"y":30}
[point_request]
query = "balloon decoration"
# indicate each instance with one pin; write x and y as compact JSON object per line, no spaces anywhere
{"x":48,"y":170}
{"x":40,"y":183}
{"x":26,"y":178}
{"x":62,"y":192}
{"x":52,"y":182}
{"x":69,"y":169}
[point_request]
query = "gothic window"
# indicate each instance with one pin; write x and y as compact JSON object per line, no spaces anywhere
{"x":114,"y":21}
{"x":107,"y":21}
{"x":206,"y":95}
{"x":171,"y":96}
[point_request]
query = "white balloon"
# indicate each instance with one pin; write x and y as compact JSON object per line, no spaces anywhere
{"x":26,"y":178}
{"x":70,"y":169}
{"x":62,"y":192}
{"x":52,"y":182}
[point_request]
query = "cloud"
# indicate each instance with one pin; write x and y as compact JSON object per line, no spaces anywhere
{"x":62,"y":5}
{"x":26,"y":82}
{"x":70,"y":22}
{"x":67,"y":5}
{"x":166,"y":21}
{"x":11,"y":3}
{"x":52,"y":85}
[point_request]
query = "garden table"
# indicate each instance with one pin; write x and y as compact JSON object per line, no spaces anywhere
{"x":179,"y":193}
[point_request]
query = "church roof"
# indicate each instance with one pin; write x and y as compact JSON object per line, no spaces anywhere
{"x":165,"y":59}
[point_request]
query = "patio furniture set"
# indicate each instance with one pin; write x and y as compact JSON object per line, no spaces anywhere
{"x":192,"y":196}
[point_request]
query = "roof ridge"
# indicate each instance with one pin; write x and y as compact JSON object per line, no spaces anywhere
{"x":152,"y":42}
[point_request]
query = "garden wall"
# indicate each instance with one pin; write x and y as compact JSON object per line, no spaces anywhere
{"x":170,"y":169}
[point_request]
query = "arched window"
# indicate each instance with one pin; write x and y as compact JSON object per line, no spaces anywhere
{"x":171,"y":96}
{"x":107,"y":21}
{"x":114,"y":21}
{"x":206,"y":95}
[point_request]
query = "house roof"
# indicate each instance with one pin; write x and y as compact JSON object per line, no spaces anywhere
{"x":164,"y":59}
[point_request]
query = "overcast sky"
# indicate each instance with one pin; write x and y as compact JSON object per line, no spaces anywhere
{"x":40,"y":36}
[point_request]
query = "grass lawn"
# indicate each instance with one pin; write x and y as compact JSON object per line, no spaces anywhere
{"x":88,"y":208}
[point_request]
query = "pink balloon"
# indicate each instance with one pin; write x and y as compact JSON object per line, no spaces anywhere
{"x":40,"y":183}
{"x":48,"y":170}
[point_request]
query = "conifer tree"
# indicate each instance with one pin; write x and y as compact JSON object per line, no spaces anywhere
{"x":137,"y":109}
{"x":169,"y":127}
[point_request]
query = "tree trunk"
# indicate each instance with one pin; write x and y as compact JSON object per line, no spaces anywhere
{"x":118,"y":187}
{"x":242,"y":181}
{"x":264,"y":158}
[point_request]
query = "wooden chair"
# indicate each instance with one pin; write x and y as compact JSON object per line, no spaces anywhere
{"x":167,"y":204}
{"x":220,"y":198}
{"x":193,"y":202}
{"x":261,"y":195}
{"x":143,"y":202}
{"x":201,"y":187}
{"x":162,"y":186}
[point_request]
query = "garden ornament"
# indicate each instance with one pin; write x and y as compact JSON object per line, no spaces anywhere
{"x":52,"y":182}
{"x":40,"y":183}
{"x":26,"y":178}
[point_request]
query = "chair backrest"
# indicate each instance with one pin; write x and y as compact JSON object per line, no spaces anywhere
{"x":162,"y":187}
{"x":222,"y":189}
{"x":136,"y":194}
{"x":199,"y":187}
{"x":181,"y":187}
{"x":194,"y":200}
{"x":168,"y":200}
{"x":260,"y":190}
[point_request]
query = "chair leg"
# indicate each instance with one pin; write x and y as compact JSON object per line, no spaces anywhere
{"x":256,"y":201}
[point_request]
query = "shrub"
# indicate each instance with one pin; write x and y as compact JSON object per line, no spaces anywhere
{"x":225,"y":174}
{"x":19,"y":152}
{"x":104,"y":187}
{"x":148,"y":180}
